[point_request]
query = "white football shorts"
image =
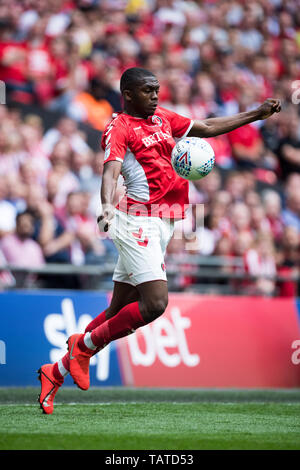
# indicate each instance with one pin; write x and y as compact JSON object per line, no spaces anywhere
{"x":141,"y":242}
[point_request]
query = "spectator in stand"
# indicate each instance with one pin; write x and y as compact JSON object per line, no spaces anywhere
{"x":235,"y":185}
{"x":81,"y":166}
{"x":66,"y":129}
{"x":271,"y":136}
{"x":19,"y":248}
{"x":208,"y":186}
{"x":13,"y":61}
{"x":211,"y":58}
{"x":272,"y":205}
{"x":289,"y":261}
{"x":247,"y":144}
{"x":7,"y":209}
{"x":291,"y":212}
{"x":176,"y":251}
{"x":91,"y":106}
{"x":12,"y":153}
{"x":40,"y":72}
{"x":32,"y":133}
{"x":260,"y":262}
{"x":91,"y":184}
{"x":216,"y":226}
{"x":222,"y":150}
{"x":16,"y":192}
{"x":60,"y":159}
{"x":224,"y":248}
{"x":240,"y":218}
{"x":259,"y":222}
{"x":77,"y":220}
{"x":243,"y":242}
{"x":252,"y":199}
{"x":6,"y":278}
{"x":48,"y":230}
{"x":289,"y":146}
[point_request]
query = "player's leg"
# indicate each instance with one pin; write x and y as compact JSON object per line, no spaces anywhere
{"x":142,"y":257}
{"x":52,"y":375}
{"x":123,"y":294}
{"x":152,"y":303}
{"x":153,"y":299}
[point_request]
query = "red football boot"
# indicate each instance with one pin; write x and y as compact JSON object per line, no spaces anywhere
{"x":79,"y":362}
{"x":49,"y":387}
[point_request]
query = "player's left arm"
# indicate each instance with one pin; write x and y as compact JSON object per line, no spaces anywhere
{"x":212,"y":127}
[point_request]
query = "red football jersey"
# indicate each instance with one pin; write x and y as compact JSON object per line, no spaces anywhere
{"x":144,"y":147}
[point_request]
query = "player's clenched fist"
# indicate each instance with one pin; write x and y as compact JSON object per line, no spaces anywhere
{"x":269,"y":107}
{"x":104,"y":220}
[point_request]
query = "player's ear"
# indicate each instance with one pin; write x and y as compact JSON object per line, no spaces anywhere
{"x":127,"y":95}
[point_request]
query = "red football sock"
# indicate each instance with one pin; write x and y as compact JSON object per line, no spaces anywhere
{"x":57,"y":375}
{"x":125,"y":322}
{"x":61,"y":368}
{"x":101,"y":318}
{"x":65,"y":360}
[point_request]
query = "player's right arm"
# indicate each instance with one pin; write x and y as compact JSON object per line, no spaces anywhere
{"x":114,"y":143}
{"x":212,"y":127}
{"x":111,"y":173}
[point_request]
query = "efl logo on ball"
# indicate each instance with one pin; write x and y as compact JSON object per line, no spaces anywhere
{"x":192,"y":158}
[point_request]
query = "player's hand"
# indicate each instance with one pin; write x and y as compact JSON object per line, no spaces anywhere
{"x":269,"y":107}
{"x":104,"y":220}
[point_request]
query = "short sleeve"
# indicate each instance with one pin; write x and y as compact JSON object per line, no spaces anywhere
{"x":180,"y":125}
{"x":115,"y":141}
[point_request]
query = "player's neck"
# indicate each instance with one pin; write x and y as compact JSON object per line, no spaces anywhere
{"x":132,"y":112}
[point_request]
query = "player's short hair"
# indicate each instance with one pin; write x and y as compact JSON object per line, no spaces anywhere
{"x":133,"y":76}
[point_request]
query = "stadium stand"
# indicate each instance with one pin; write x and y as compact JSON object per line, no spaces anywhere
{"x":61,"y":62}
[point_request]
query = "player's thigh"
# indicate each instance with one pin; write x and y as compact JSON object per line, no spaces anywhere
{"x":123,"y":294}
{"x":140,"y":243}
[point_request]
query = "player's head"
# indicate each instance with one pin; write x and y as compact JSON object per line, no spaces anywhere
{"x":139,"y":88}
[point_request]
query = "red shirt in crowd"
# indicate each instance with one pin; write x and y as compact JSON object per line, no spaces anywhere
{"x":13,"y":62}
{"x":247,"y":136}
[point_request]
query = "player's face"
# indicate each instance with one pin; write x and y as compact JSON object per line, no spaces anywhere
{"x":144,"y":98}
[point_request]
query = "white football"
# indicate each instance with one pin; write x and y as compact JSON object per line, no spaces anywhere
{"x":192,"y":158}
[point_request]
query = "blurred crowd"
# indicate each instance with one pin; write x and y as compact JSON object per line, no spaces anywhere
{"x":212,"y":58}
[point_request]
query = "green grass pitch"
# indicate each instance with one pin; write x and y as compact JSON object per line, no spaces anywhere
{"x":169,"y":419}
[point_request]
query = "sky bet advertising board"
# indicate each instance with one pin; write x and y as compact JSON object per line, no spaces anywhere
{"x":200,"y":341}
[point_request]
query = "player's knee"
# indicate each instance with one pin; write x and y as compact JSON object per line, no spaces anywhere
{"x":154,"y":309}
